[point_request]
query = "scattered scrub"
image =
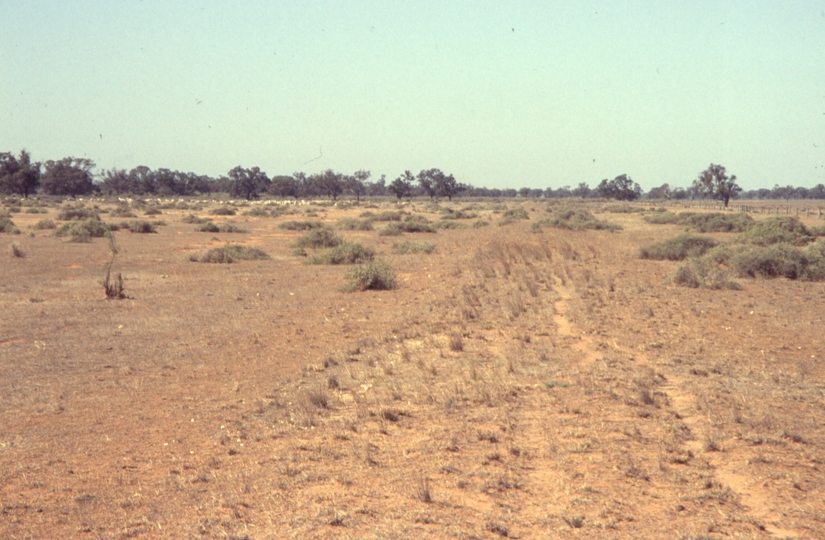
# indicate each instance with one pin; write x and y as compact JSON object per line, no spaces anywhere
{"x":377,"y":275}
{"x":513,"y":215}
{"x":228,"y":254}
{"x":318,"y":239}
{"x":385,"y":216}
{"x":222,"y":211}
{"x":785,"y":230}
{"x":139,"y":226}
{"x":450,"y":225}
{"x":345,"y":253}
{"x":258,"y":211}
{"x":396,"y":229}
{"x":300,"y":225}
{"x":76,"y":213}
{"x":578,"y":220}
{"x":352,"y":224}
{"x":406,"y":247}
{"x":193,"y":219}
{"x":83,"y":231}
{"x":223,"y":228}
{"x":679,"y":248}
{"x":703,"y":223}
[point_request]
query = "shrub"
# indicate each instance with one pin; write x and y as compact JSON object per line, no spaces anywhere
{"x":698,"y":273}
{"x":387,"y":216}
{"x":122,"y":212}
{"x":709,"y":222}
{"x":678,"y":248}
{"x":318,"y":239}
{"x":207,"y":227}
{"x":44,"y":224}
{"x":258,"y":211}
{"x":450,"y":225}
{"x":579,"y":220}
{"x":229,"y":253}
{"x":413,"y":247}
{"x":414,"y":227}
{"x":152,"y":211}
{"x":352,"y":224}
{"x":512,"y":215}
{"x":300,"y":225}
{"x":33,"y":210}
{"x":769,"y":261}
{"x":459,"y":214}
{"x":377,"y":275}
{"x":140,"y":226}
{"x":788,"y":230}
{"x":193,"y":219}
{"x":82,"y":231}
{"x":222,"y":211}
{"x":392,"y":229}
{"x":16,"y":251}
{"x":7,"y":225}
{"x":346,"y":253}
{"x":76,"y":213}
{"x":480,"y":223}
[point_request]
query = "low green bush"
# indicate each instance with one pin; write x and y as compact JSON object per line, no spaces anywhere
{"x":222,"y":211}
{"x":679,"y":248}
{"x":377,"y":275}
{"x":223,"y":228}
{"x":152,"y":211}
{"x":352,"y":224}
{"x":450,"y":225}
{"x":7,"y":225}
{"x":44,"y":224}
{"x":777,"y":230}
{"x":345,"y":253}
{"x":258,"y":211}
{"x":407,"y":246}
{"x":76,"y":213}
{"x":140,"y":226}
{"x":578,"y":220}
{"x":83,"y":231}
{"x":386,"y":216}
{"x":318,"y":239}
{"x":193,"y":219}
{"x":122,"y":212}
{"x":300,"y":225}
{"x":228,"y":254}
{"x":777,"y":260}
{"x":703,"y":222}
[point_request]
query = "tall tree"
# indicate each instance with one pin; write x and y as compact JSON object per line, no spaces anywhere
{"x":357,"y":183}
{"x":329,"y":183}
{"x":114,"y":181}
{"x":284,"y":186}
{"x":248,"y":183}
{"x":447,"y":186}
{"x":402,"y":186}
{"x":69,"y":176}
{"x":427,"y":180}
{"x":18,"y":175}
{"x":621,"y":188}
{"x":715,"y":183}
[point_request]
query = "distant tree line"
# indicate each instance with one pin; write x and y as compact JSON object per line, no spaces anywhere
{"x":70,"y":176}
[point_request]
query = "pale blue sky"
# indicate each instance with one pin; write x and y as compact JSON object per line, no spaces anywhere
{"x":501,"y":94}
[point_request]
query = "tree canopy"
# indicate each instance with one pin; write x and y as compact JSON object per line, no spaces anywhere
{"x":69,"y":176}
{"x":715,"y":183}
{"x":621,"y":188}
{"x":18,"y":175}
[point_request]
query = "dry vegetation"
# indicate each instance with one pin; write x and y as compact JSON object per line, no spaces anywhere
{"x":516,"y":381}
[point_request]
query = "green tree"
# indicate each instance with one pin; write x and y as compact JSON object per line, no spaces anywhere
{"x":427,"y":181}
{"x":18,"y":175}
{"x":114,"y":181}
{"x":715,"y":183}
{"x":402,"y":186}
{"x":69,"y":176}
{"x":329,"y":183}
{"x":357,"y":183}
{"x":284,"y":186}
{"x":447,"y":186}
{"x":621,"y":188}
{"x":248,"y":183}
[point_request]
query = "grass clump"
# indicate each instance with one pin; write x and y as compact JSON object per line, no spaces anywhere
{"x":580,"y":220}
{"x":678,"y":248}
{"x":346,"y":253}
{"x":318,"y":239}
{"x":406,"y":247}
{"x":7,"y":225}
{"x":703,"y":223}
{"x":76,"y":213}
{"x":139,"y":226}
{"x":352,"y":224}
{"x":300,"y":225}
{"x":258,"y":211}
{"x":229,"y":253}
{"x":385,"y":216}
{"x":450,"y":225}
{"x":83,"y":231}
{"x":377,"y":276}
{"x":513,"y":215}
{"x":192,"y":219}
{"x":777,"y":230}
{"x":396,"y":229}
{"x":44,"y":224}
{"x":222,"y":211}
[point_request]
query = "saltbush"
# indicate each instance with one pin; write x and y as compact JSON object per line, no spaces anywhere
{"x":228,"y":254}
{"x":678,"y":248}
{"x":346,"y":253}
{"x":318,"y":239}
{"x":376,"y":275}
